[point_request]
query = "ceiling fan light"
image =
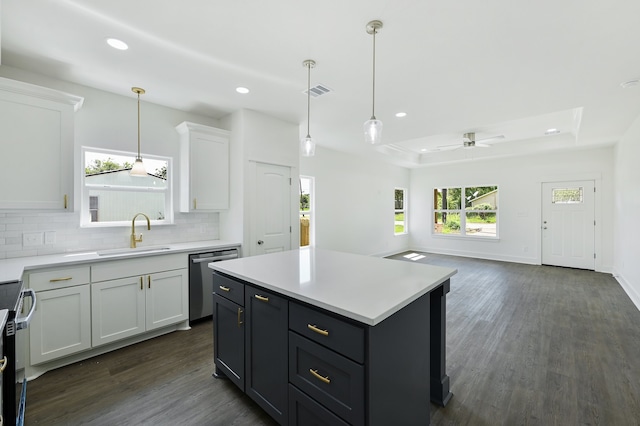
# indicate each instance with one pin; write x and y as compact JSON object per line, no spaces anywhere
{"x":373,"y":131}
{"x":307,"y":146}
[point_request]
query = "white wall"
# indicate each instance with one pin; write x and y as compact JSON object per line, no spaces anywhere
{"x":108,"y":121}
{"x":354,"y":202}
{"x":519,"y":180}
{"x":627,"y":212}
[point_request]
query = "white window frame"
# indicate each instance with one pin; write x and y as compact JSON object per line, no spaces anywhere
{"x":404,"y":210}
{"x":85,"y":215}
{"x":462,"y":213}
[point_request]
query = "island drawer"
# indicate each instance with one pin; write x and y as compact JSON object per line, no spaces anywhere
{"x":305,"y":411}
{"x":228,"y":288}
{"x":334,"y":333}
{"x":331,"y":379}
{"x":59,"y":278}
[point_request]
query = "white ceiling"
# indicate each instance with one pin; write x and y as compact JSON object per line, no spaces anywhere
{"x":495,"y":67}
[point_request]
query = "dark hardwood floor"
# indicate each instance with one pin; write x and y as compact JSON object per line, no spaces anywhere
{"x":526,"y":345}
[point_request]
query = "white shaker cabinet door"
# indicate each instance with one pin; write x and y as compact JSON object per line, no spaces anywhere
{"x":36,"y":144}
{"x":167,"y":298}
{"x":61,"y":323}
{"x":117,"y":309}
{"x":204,"y":168}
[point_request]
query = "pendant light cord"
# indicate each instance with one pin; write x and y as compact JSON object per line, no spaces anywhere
{"x":139,"y":126}
{"x":308,"y":98}
{"x":373,"y":102}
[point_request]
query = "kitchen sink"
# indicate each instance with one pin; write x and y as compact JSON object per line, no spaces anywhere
{"x":117,"y":252}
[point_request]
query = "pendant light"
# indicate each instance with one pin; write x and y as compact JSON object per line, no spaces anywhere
{"x":307,"y":144}
{"x":373,"y":126}
{"x":138,"y":168}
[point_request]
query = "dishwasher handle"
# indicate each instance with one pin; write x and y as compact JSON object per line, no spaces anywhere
{"x":214,"y":258}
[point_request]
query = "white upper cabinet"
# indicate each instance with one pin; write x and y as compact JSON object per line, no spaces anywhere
{"x":37,"y":146}
{"x":204,"y":167}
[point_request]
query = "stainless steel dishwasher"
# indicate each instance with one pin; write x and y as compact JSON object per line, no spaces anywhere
{"x":201,"y":281}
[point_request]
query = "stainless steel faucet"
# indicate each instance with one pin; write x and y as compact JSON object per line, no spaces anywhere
{"x":135,"y":239}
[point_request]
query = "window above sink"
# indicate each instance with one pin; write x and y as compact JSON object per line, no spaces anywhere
{"x":111,"y":197}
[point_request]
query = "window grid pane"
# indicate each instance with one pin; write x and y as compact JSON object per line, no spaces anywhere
{"x":566,"y":195}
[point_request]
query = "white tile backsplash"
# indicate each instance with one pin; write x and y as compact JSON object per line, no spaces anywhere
{"x":69,"y":237}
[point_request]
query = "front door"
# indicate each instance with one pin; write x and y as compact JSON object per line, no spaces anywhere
{"x":568,"y":224}
{"x":273,"y":208}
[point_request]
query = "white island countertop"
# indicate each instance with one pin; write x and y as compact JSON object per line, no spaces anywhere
{"x":364,"y":288}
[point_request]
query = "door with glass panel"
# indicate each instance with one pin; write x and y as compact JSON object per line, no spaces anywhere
{"x":568,"y":224}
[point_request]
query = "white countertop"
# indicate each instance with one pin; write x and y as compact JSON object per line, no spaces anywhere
{"x":364,"y":288}
{"x":12,"y":269}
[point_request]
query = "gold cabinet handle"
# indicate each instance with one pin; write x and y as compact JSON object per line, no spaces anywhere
{"x":239,"y":317}
{"x":315,"y":374}
{"x":315,"y":328}
{"x":195,"y":204}
{"x":149,"y":281}
{"x":141,"y":284}
{"x":55,"y":280}
{"x":65,"y":201}
{"x":262,"y":298}
{"x":223,"y":288}
{"x":3,"y":364}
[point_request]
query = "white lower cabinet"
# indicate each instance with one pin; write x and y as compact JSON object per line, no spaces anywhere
{"x":125,"y":307}
{"x":61,"y":323}
{"x":83,"y":307}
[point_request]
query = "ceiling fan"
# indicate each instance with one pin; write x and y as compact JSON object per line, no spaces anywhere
{"x":469,"y":141}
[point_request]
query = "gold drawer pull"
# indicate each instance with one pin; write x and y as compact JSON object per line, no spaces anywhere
{"x":55,"y":280}
{"x":262,"y":298}
{"x":319,"y":377}
{"x":223,"y":288}
{"x":3,"y":365}
{"x":317,"y":330}
{"x":240,"y":317}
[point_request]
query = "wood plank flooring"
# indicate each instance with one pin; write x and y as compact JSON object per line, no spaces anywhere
{"x":526,"y":345}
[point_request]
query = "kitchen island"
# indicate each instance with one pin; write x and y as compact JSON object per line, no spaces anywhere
{"x":318,"y":336}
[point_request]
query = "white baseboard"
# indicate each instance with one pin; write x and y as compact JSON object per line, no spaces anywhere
{"x":480,"y":255}
{"x":628,"y":288}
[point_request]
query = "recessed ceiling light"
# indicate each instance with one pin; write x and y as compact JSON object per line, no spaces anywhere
{"x":630,"y":83}
{"x":551,"y":131}
{"x":401,"y":114}
{"x":424,"y":150}
{"x":117,"y":44}
{"x":242,"y":90}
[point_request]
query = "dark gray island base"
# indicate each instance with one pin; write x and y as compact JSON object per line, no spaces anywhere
{"x":306,"y":365}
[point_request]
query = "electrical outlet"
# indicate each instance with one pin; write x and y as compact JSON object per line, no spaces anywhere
{"x":32,"y":239}
{"x":50,"y":237}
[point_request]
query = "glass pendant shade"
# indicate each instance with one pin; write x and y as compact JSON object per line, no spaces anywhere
{"x":138,"y":168}
{"x":373,"y":131}
{"x":307,"y":147}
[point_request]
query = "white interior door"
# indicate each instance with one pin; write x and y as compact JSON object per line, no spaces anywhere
{"x":568,"y":224}
{"x":272,"y":208}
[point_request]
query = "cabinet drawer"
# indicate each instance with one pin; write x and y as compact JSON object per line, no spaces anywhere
{"x":331,"y":379}
{"x":341,"y":336}
{"x":305,"y":411}
{"x":228,"y":288}
{"x":59,"y":278}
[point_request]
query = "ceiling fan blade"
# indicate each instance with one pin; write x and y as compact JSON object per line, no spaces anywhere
{"x":447,"y":147}
{"x":491,"y":139}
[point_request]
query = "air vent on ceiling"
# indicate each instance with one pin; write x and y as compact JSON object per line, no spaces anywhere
{"x":318,"y":90}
